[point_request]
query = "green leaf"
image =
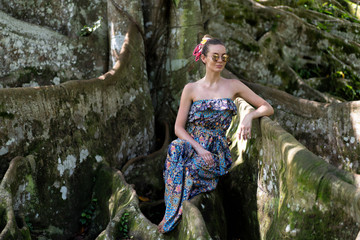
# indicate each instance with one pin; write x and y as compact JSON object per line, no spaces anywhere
{"x":328,"y":12}
{"x":322,"y":26}
{"x":176,"y":2}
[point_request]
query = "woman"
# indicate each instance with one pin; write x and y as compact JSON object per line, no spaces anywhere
{"x":201,"y":154}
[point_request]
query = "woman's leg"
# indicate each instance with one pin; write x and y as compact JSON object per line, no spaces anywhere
{"x":178,"y":183}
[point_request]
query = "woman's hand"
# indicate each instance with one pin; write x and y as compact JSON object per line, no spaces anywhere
{"x":205,"y":155}
{"x":245,"y":127}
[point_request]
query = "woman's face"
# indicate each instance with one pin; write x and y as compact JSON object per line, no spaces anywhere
{"x":215,"y":52}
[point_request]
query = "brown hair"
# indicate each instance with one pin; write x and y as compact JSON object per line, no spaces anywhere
{"x":212,"y":41}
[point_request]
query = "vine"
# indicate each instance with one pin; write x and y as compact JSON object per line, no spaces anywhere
{"x":87,"y":215}
{"x":124,"y":227}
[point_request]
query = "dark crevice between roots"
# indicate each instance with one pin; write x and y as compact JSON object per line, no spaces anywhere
{"x":145,"y":174}
{"x":238,"y":190}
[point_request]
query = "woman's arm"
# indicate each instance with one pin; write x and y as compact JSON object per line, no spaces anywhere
{"x":180,"y":123}
{"x":262,"y":108}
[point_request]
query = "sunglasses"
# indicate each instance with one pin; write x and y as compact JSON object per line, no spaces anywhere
{"x":215,"y":57}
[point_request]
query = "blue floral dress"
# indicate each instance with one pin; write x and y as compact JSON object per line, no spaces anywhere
{"x":186,"y":174}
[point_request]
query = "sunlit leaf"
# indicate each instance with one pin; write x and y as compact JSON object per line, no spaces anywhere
{"x":87,"y":30}
{"x":144,"y":199}
{"x":176,"y":2}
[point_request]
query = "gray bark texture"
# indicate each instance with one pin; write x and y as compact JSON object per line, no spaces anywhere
{"x":86,"y":116}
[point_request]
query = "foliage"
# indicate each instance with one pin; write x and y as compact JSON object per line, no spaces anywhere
{"x":341,"y":83}
{"x":124,"y":226}
{"x":306,"y":3}
{"x":88,"y":213}
{"x":329,"y":9}
{"x":349,"y":84}
{"x":28,"y":223}
{"x":322,"y":26}
{"x":87,"y":30}
{"x":176,"y":2}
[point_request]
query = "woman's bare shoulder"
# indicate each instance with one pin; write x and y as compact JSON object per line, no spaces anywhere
{"x":235,"y":86}
{"x":231,"y":80}
{"x":234,"y":83}
{"x":190,"y":87}
{"x":189,"y":90}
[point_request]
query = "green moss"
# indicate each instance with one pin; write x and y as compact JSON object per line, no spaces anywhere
{"x":248,"y":47}
{"x":324,"y":192}
{"x":295,"y":221}
{"x":41,"y":76}
{"x":25,"y":233}
{"x":274,"y":26}
{"x":267,"y":42}
{"x":78,"y":137}
{"x":289,"y":83}
{"x":340,"y":45}
{"x":35,"y":147}
{"x":231,"y":12}
{"x":30,"y":188}
{"x":313,"y":224}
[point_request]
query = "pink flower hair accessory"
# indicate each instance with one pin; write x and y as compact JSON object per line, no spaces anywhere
{"x":199,"y":47}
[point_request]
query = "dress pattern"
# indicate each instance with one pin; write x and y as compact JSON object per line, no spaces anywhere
{"x":186,"y":174}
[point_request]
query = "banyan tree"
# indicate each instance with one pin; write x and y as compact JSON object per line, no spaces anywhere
{"x":89,"y":94}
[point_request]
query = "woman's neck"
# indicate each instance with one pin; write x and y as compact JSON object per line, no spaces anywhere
{"x":211,"y":78}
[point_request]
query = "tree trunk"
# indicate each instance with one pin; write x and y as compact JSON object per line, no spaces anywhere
{"x":85,"y":121}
